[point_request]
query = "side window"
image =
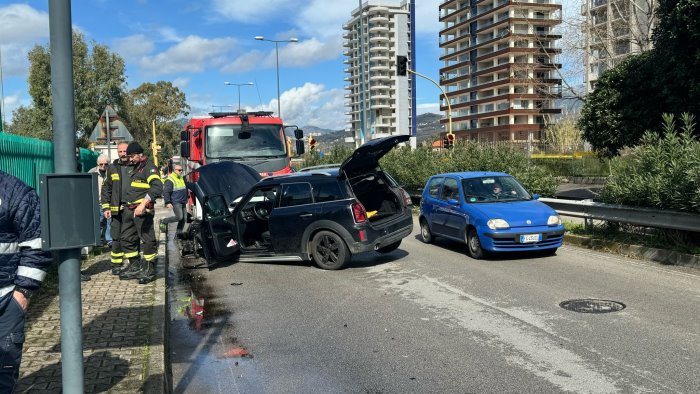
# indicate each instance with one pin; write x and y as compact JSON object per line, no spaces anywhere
{"x":434,"y":187}
{"x":296,"y":194}
{"x":450,"y":189}
{"x":327,"y":191}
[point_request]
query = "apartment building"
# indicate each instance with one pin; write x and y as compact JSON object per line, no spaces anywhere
{"x":500,"y":67}
{"x":378,"y":101}
{"x":613,"y":30}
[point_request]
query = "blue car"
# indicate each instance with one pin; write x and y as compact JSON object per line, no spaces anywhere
{"x":490,"y":212}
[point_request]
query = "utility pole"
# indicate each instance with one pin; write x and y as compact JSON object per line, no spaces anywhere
{"x":154,"y":145}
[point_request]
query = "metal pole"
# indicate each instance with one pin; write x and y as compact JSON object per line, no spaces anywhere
{"x":360,"y":32}
{"x":60,"y":37}
{"x":109,"y":147}
{"x":277,"y":55}
{"x":2,"y":95}
{"x":239,"y":97}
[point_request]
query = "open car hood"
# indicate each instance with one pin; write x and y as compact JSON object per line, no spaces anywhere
{"x":226,"y":177}
{"x":366,"y":157}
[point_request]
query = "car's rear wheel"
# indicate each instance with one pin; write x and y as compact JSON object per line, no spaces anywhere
{"x":474,"y":244}
{"x":389,"y":248}
{"x":425,"y":234}
{"x":329,"y":251}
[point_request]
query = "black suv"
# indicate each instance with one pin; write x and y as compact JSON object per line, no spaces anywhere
{"x":324,"y":215}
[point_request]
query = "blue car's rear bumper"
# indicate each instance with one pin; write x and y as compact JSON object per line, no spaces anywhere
{"x":509,"y":240}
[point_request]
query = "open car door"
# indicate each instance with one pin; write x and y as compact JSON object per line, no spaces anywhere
{"x":221,"y":230}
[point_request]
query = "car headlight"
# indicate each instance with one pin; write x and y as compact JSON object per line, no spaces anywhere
{"x":554,"y":220}
{"x":497,"y":224}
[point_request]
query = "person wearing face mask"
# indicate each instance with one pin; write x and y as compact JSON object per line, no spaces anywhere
{"x":113,"y":201}
{"x":137,"y":225}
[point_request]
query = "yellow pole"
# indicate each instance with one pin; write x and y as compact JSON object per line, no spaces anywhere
{"x":154,"y":145}
{"x":447,"y":99}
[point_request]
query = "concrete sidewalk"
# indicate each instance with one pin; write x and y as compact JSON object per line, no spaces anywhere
{"x":123,"y":332}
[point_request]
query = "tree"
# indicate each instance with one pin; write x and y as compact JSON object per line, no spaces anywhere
{"x":162,"y":102}
{"x":98,"y":79}
{"x":564,"y":135}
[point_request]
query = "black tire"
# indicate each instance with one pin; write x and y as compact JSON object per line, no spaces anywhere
{"x":389,"y":248}
{"x":474,"y":245}
{"x":329,"y":251}
{"x":425,"y":235}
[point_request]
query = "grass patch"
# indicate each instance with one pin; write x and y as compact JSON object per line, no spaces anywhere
{"x":675,"y":240}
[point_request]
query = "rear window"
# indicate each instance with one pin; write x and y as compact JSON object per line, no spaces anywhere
{"x":295,"y":194}
{"x":434,"y":187}
{"x":327,"y":191}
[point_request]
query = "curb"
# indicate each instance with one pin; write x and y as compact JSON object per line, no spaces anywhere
{"x":154,"y":379}
{"x":662,"y":256}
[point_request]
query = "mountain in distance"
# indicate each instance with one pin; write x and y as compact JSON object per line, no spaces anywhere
{"x":428,"y":129}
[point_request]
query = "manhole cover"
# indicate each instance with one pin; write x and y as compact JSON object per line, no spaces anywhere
{"x":592,"y":306}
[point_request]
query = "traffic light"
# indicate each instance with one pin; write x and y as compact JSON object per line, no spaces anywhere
{"x":312,"y":143}
{"x":401,"y":65}
{"x":450,"y":140}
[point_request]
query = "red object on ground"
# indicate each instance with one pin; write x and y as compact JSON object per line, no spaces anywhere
{"x":235,"y":352}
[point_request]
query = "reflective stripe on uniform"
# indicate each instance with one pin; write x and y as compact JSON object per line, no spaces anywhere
{"x":150,"y":257}
{"x":136,"y":201}
{"x":105,"y":206}
{"x":32,"y":244}
{"x":115,"y":254}
{"x":117,"y":260}
{"x":140,"y":185}
{"x":8,"y":247}
{"x":178,"y":182}
{"x":6,"y":289}
{"x":115,"y":177}
{"x":131,"y":254}
{"x":152,"y":177}
{"x":29,"y":272}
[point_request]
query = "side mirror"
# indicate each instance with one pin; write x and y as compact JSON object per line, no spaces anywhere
{"x":300,"y":147}
{"x":298,"y":134}
{"x":452,"y":201}
{"x":185,"y":149}
{"x":185,"y":135}
{"x":535,"y":196}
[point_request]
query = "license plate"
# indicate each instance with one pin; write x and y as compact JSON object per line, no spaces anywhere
{"x":528,"y":238}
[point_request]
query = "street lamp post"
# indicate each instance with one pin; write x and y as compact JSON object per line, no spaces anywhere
{"x":277,"y":57}
{"x":238,"y":85}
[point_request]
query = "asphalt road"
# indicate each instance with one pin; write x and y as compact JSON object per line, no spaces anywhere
{"x":428,"y":319}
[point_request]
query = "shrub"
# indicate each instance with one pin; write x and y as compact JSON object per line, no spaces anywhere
{"x":661,"y":172}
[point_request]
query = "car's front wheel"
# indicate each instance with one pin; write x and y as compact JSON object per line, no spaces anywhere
{"x":389,"y":248}
{"x":474,"y":244}
{"x":425,"y":234}
{"x":329,"y":251}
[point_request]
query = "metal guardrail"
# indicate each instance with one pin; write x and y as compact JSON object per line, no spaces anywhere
{"x":619,"y":213}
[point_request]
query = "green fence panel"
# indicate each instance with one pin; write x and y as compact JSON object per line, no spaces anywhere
{"x":25,"y":158}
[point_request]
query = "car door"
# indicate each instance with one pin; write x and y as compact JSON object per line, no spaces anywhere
{"x":296,"y":210}
{"x":219,"y":222}
{"x":429,"y":203}
{"x":454,"y":216}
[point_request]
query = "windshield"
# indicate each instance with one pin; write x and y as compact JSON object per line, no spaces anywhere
{"x":258,"y":141}
{"x":493,"y":189}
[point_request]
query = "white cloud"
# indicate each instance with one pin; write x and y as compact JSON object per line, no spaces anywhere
{"x":181,"y":82}
{"x":10,"y":103}
{"x":323,"y":18}
{"x":133,"y":48}
{"x":312,"y":104}
{"x":428,"y":107}
{"x":20,"y":23}
{"x":193,"y":54}
{"x":245,"y":62}
{"x":307,"y":52}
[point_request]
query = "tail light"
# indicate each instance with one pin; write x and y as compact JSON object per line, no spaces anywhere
{"x":406,"y":197}
{"x":358,"y":213}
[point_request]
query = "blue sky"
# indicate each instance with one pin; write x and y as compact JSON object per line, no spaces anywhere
{"x":198,"y":45}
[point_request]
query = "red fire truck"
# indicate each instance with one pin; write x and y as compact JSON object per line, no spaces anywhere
{"x":256,"y":139}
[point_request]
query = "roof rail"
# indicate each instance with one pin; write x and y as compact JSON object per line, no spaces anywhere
{"x":240,"y":113}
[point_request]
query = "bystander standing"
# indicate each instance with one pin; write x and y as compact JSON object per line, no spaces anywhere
{"x":23,"y":267}
{"x":105,"y":222}
{"x":175,"y":198}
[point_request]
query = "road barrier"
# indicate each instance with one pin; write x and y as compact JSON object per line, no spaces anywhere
{"x":639,"y":216}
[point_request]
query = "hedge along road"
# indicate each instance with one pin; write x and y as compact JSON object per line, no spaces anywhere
{"x":427,"y":318}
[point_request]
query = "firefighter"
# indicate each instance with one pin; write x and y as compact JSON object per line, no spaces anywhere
{"x":137,"y":226}
{"x":113,"y":201}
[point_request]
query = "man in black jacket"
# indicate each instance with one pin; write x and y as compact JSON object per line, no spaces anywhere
{"x":112,"y":199}
{"x":23,"y":267}
{"x":137,"y":225}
